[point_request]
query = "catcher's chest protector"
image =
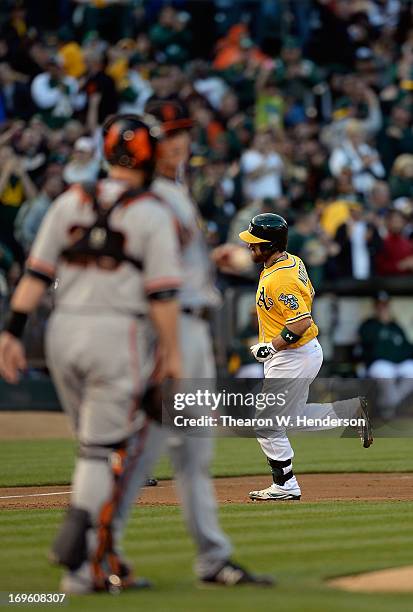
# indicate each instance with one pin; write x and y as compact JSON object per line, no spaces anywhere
{"x":98,"y":243}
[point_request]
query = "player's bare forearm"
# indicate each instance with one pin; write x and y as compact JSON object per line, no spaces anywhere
{"x":28,"y":294}
{"x":164,"y":314}
{"x":165,"y":317}
{"x":26,"y":298}
{"x":298,"y":328}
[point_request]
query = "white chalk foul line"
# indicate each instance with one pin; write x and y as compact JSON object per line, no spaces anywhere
{"x":35,"y":495}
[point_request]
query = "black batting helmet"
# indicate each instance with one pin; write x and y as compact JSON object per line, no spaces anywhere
{"x":172,"y":113}
{"x":269,"y":230}
{"x":130,"y":141}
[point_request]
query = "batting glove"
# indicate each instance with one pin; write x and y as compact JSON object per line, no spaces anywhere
{"x":263,"y":351}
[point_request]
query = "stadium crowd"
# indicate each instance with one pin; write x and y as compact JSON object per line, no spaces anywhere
{"x":300,"y":107}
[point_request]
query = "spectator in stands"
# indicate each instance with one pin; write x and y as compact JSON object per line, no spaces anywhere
{"x":11,"y":132}
{"x":313,"y":246}
{"x":334,"y":24}
{"x":401,"y":178}
{"x":358,"y":102}
{"x":32,"y":151}
{"x":56,"y":95}
{"x":70,"y":54}
{"x":208,"y":130}
{"x":171,"y":34}
{"x":31,"y":213}
{"x":396,"y":137}
{"x":100,"y":89}
{"x":262,"y":169}
{"x":209,"y":85}
{"x":303,"y":98}
{"x":136,"y":90}
{"x":15,"y":99}
{"x":358,"y":242}
{"x":27,"y":57}
{"x":270,"y":104}
{"x":14,"y":27}
{"x":236,"y":49}
{"x":72,"y":131}
{"x":294,"y":74}
{"x":162,"y":84}
{"x":395,"y":256}
{"x":315,"y":166}
{"x":15,"y":188}
{"x":388,"y":356}
{"x":84,"y":165}
{"x":362,"y":159}
{"x":110,"y":18}
{"x":379,"y":199}
{"x":59,"y":148}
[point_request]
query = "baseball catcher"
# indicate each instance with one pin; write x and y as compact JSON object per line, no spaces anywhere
{"x":112,"y":246}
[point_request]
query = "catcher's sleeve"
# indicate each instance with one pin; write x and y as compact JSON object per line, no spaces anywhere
{"x":49,"y":242}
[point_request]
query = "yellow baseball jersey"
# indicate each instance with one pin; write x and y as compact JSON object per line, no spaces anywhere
{"x":284,"y":295}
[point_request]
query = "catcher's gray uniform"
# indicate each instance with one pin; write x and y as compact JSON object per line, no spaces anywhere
{"x":191,"y":456}
{"x":100,"y":350}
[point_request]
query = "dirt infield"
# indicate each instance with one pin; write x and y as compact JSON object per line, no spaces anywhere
{"x":34,"y":425}
{"x":315,"y":487}
{"x":394,"y":580}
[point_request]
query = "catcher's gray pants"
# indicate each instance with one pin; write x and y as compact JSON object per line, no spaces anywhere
{"x":100,"y":366}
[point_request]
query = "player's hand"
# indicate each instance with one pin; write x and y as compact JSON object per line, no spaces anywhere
{"x":168,"y":366}
{"x":231,"y":258}
{"x":263,"y":351}
{"x":12,"y":357}
{"x":173,"y":366}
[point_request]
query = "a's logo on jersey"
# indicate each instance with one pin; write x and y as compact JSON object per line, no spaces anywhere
{"x":263,"y":301}
{"x":289,"y":300}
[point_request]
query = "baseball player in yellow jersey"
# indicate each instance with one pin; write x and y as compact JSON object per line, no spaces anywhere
{"x":288,"y":347}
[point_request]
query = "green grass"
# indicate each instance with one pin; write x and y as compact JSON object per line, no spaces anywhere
{"x":302,"y":544}
{"x":41,"y":462}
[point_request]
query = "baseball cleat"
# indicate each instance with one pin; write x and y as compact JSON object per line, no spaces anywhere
{"x":276,"y":493}
{"x":74,"y":586}
{"x":76,"y":583}
{"x":128,"y":580}
{"x":365,"y":431}
{"x":151,"y":482}
{"x":232,"y":574}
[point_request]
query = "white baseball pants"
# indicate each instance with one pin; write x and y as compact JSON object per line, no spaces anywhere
{"x":301,"y":365}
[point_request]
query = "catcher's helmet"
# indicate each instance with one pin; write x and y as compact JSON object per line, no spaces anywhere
{"x":172,"y":113}
{"x":130,"y":141}
{"x":267,"y":229}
